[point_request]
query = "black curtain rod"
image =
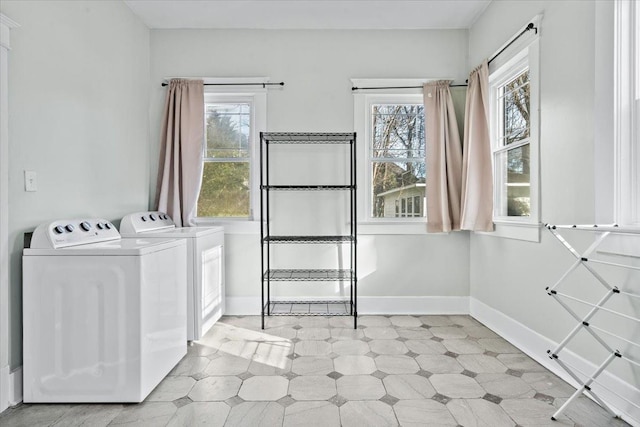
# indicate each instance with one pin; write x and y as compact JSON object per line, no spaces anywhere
{"x":528,"y":28}
{"x":264,"y":85}
{"x":398,"y":87}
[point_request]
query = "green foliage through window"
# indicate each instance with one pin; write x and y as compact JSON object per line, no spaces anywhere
{"x":225,"y":190}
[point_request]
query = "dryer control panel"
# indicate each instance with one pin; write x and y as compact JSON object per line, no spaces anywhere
{"x":72,"y":232}
{"x":140,"y":222}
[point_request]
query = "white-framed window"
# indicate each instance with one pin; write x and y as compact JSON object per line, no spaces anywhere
{"x":396,"y":156}
{"x":234,"y":118}
{"x":514,"y":132}
{"x":391,"y":137}
{"x":627,"y":113}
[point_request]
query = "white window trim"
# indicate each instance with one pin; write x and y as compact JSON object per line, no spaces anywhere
{"x":526,"y":49}
{"x":363,"y":100}
{"x":627,"y":113}
{"x":7,"y":395}
{"x":257,"y":98}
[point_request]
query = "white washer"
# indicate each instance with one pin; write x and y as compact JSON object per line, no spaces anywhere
{"x":104,"y":318}
{"x":205,"y":265}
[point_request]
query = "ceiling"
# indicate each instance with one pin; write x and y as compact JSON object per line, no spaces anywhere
{"x":309,"y":14}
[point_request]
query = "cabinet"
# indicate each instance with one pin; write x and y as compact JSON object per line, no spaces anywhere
{"x":346,"y":242}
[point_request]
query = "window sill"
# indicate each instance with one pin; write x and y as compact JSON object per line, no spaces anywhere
{"x":391,"y":228}
{"x":526,"y":231}
{"x":231,"y":226}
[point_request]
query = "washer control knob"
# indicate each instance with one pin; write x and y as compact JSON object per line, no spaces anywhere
{"x":69,"y":228}
{"x":143,"y":218}
{"x":107,"y":226}
{"x":153,"y":217}
{"x":85,"y":226}
{"x":58,"y":229}
{"x":100,"y":226}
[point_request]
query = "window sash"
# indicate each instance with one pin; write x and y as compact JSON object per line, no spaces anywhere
{"x":498,"y":82}
{"x":401,"y":208}
{"x":254,"y":101}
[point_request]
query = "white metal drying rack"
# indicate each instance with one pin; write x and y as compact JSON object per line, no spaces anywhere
{"x":584,"y":260}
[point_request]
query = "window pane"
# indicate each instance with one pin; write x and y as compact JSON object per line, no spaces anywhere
{"x":225,"y":190}
{"x":515,"y":182}
{"x":227,"y":130}
{"x":515,"y":108}
{"x":398,"y":131}
{"x":393,"y":183}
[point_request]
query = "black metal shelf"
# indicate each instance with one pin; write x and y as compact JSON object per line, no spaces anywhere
{"x":309,"y":308}
{"x":346,"y":307}
{"x":307,"y":187}
{"x":307,"y":138}
{"x":308,"y":239}
{"x":308,"y":275}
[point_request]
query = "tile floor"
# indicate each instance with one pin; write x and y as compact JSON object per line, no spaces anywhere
{"x":319,"y":371}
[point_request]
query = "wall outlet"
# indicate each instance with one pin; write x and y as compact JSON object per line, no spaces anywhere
{"x":30,"y":181}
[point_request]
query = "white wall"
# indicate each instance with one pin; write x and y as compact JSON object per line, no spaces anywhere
{"x":510,"y":276}
{"x":316,"y":67}
{"x":78,"y":115}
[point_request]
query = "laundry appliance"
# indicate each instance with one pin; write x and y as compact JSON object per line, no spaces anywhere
{"x":104,"y":318}
{"x":205,"y":264}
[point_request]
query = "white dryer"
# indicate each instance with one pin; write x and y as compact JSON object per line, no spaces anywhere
{"x":205,"y":265}
{"x":103,"y":318}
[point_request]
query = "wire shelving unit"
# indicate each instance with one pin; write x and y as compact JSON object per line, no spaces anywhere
{"x":307,"y":307}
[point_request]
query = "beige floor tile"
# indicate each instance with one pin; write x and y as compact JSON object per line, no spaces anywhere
{"x":409,"y":387}
{"x":423,"y":413}
{"x":350,"y":347}
{"x":505,"y":386}
{"x":94,"y":415}
{"x":171,"y":388}
{"x":354,"y":365}
{"x":397,"y":364}
{"x":256,"y":414}
{"x":312,"y":388}
{"x":311,"y":365}
{"x":479,"y":413}
{"x":147,"y":414}
{"x":262,"y":388}
{"x":480,"y":363}
{"x":360,"y":387}
{"x":456,"y":386}
{"x":388,"y":347}
{"x":211,"y":414}
{"x":439,"y":364}
{"x":312,"y":414}
{"x":369,"y":413}
{"x":215,"y":388}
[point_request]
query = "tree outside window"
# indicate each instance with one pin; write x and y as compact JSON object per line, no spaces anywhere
{"x":225,"y":190}
{"x":397,"y":159}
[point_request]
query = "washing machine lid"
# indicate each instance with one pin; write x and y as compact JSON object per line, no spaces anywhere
{"x":121,"y":247}
{"x":177,"y":233}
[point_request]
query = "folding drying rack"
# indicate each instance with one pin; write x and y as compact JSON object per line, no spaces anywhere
{"x":587,"y":380}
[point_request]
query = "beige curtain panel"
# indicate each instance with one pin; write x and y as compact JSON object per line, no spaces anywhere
{"x":180,"y":171}
{"x":477,"y":171}
{"x":444,"y":159}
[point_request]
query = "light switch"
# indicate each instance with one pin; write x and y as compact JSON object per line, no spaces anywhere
{"x":30,"y":181}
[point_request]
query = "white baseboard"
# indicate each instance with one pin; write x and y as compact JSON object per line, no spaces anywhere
{"x":535,"y":346}
{"x":11,"y":383}
{"x":4,"y":388}
{"x":247,"y":306}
